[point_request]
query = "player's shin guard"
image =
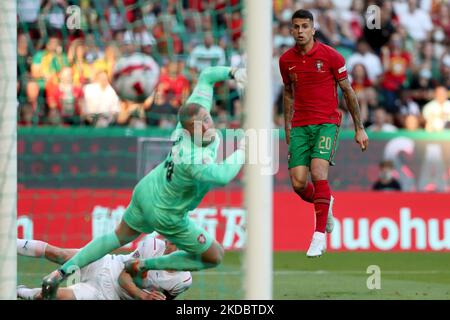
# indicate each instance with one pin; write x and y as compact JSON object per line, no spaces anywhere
{"x":93,"y":251}
{"x":322,"y":197}
{"x":178,"y":260}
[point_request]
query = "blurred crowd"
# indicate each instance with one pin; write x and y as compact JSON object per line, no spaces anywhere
{"x":397,"y":53}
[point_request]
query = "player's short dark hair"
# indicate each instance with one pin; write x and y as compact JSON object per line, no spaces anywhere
{"x":187,"y":111}
{"x":302,"y":14}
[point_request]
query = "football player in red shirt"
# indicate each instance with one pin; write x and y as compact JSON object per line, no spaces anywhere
{"x":311,"y":71}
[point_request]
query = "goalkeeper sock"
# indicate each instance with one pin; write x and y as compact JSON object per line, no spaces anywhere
{"x":93,"y":251}
{"x":31,"y":248}
{"x":308,"y":193}
{"x":322,"y":197}
{"x":178,"y":260}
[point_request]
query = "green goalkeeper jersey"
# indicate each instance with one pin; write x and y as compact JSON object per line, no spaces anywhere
{"x":178,"y":184}
{"x":162,"y":199}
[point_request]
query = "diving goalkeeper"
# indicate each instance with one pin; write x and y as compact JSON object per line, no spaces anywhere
{"x":162,"y":199}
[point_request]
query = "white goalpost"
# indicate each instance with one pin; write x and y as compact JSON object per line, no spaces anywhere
{"x":258,"y":191}
{"x":8,"y":150}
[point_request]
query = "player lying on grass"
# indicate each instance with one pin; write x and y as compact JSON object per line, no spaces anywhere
{"x":162,"y":200}
{"x":106,"y":279}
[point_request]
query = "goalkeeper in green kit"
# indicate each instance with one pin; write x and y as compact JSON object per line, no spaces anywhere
{"x":162,"y":199}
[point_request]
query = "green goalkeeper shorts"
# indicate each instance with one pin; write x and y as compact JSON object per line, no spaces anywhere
{"x":179,"y":229}
{"x":313,"y":141}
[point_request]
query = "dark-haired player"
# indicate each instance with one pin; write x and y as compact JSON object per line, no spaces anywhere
{"x":311,"y":72}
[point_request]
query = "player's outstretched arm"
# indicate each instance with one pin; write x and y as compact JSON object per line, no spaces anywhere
{"x":220,"y":173}
{"x":127,"y":283}
{"x":353,"y":107}
{"x":204,"y":90}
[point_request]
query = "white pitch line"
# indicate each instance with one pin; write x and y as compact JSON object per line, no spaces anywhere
{"x":319,"y":272}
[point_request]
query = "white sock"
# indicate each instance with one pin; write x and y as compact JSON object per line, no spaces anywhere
{"x":28,"y":294}
{"x":31,"y":248}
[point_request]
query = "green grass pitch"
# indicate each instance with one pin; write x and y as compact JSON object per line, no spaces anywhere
{"x":335,"y":275}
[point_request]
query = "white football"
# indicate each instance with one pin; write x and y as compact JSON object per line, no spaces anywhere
{"x":135,"y":77}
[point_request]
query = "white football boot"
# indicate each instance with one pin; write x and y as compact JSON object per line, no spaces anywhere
{"x":318,"y":245}
{"x":330,"y":219}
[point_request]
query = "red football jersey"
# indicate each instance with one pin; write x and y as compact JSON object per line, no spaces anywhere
{"x":314,"y":79}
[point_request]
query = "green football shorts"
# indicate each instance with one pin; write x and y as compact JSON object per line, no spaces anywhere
{"x":313,"y":141}
{"x":141,"y":216}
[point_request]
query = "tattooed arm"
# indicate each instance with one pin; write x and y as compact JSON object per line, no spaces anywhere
{"x":353,"y":107}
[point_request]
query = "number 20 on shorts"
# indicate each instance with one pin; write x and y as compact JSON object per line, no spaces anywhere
{"x":325,"y":143}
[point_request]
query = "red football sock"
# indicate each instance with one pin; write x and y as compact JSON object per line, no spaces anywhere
{"x":322,"y":197}
{"x":308,"y":193}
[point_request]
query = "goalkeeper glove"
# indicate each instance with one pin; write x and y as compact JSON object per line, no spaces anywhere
{"x":240,"y":75}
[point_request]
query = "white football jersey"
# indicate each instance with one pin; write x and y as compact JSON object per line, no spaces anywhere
{"x":173,"y":283}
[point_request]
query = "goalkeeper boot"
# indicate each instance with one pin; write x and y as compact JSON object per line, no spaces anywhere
{"x":318,"y":245}
{"x":51,"y":283}
{"x":330,"y":218}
